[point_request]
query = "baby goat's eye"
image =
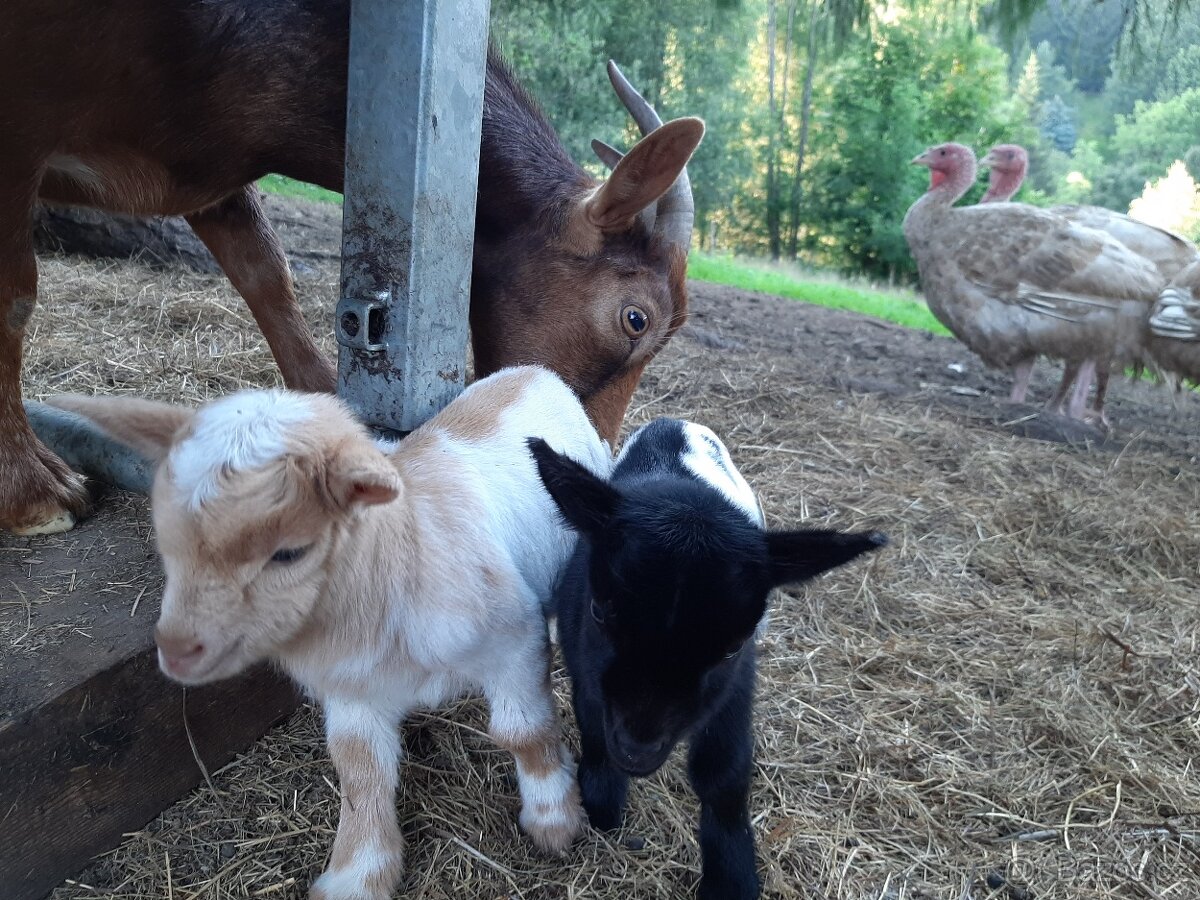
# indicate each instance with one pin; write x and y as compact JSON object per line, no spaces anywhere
{"x":288,"y":555}
{"x":597,"y":612}
{"x":735,"y":650}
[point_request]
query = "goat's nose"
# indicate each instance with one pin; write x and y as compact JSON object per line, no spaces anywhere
{"x":178,"y":648}
{"x":640,"y":756}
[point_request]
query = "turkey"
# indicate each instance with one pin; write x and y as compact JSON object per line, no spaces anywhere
{"x":1174,"y":339}
{"x":1009,"y":162}
{"x":1013,"y":282}
{"x":1169,"y":252}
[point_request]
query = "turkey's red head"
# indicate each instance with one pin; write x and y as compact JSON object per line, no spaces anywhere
{"x":1008,"y":158}
{"x":1009,"y":163}
{"x":951,"y":164}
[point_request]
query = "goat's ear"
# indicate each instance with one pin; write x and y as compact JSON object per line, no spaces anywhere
{"x":358,"y":473}
{"x":147,"y":426}
{"x":801,"y":555}
{"x":644,"y":174}
{"x":586,"y":501}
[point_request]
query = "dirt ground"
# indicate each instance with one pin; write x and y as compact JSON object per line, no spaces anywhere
{"x":1005,"y":703}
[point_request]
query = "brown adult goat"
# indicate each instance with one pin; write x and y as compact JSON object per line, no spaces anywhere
{"x":176,"y":107}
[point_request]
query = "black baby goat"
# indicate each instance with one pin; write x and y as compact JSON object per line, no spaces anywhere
{"x":657,"y":616}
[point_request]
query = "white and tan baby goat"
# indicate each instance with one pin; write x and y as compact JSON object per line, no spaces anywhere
{"x":381,"y":577}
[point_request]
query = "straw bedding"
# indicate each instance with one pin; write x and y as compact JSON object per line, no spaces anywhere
{"x":1005,"y":703}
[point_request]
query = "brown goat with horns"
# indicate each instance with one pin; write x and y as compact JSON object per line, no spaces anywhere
{"x":172,"y":107}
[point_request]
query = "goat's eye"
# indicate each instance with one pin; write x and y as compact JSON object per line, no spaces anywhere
{"x":597,"y":613}
{"x":634,"y":320}
{"x":734,"y":651}
{"x":288,"y":555}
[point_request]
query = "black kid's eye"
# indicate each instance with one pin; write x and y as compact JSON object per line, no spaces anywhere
{"x":288,"y":555}
{"x":597,"y":613}
{"x":634,"y":320}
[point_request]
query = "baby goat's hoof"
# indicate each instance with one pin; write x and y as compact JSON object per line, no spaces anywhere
{"x":373,"y":879}
{"x":553,"y":828}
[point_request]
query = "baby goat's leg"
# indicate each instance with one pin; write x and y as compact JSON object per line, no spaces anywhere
{"x":720,"y":764}
{"x":524,"y":722}
{"x":603,"y":786}
{"x":368,"y":852}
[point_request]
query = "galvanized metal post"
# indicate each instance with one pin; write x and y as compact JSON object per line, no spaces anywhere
{"x":415,"y":106}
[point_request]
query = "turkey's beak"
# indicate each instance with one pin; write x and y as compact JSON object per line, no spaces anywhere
{"x":921,"y":159}
{"x":988,"y":160}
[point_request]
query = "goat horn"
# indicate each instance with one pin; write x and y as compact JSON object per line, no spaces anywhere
{"x":607,"y":154}
{"x":676,"y":210}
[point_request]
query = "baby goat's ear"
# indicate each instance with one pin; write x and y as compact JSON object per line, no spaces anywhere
{"x":147,"y":426}
{"x":358,"y":473}
{"x":801,"y":555}
{"x":585,"y":501}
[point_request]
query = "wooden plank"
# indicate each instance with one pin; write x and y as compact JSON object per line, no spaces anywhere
{"x":92,"y":736}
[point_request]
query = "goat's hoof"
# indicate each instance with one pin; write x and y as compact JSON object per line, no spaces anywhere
{"x":42,"y":495}
{"x":604,"y":818}
{"x":56,"y":522}
{"x":335,"y":888}
{"x":555,"y":829}
{"x":375,"y":881}
{"x":714,"y":888}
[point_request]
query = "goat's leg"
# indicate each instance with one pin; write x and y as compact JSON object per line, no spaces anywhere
{"x":245,"y":245}
{"x":368,"y":851}
{"x":720,"y":764}
{"x":1022,"y":372}
{"x":602,"y":785}
{"x":524,"y":722}
{"x":39,"y":494}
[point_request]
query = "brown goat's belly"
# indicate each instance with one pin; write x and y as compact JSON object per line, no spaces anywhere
{"x":126,"y":183}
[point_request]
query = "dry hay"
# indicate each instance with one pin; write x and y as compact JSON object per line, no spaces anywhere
{"x":1007,"y":695}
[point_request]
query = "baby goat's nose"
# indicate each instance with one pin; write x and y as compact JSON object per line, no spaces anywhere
{"x":178,"y":650}
{"x":639,"y":757}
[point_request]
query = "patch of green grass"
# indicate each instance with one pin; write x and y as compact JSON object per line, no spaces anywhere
{"x":902,"y":307}
{"x":289,"y":187}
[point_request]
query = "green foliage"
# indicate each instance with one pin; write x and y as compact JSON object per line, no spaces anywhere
{"x":687,"y":58}
{"x":1141,"y":70}
{"x":1182,"y":74}
{"x":1171,"y":202}
{"x":1083,"y":36}
{"x":1158,"y":133}
{"x":1058,"y":124}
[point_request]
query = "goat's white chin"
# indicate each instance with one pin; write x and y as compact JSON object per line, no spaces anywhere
{"x":213,"y":665}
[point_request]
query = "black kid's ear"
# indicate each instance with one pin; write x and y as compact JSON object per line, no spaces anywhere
{"x":801,"y":555}
{"x":585,"y":501}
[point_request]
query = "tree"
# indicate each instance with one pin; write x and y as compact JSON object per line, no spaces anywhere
{"x":1171,"y":202}
{"x":817,"y":35}
{"x":1083,"y":35}
{"x":772,"y":139}
{"x":1158,"y":133}
{"x":1058,"y":124}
